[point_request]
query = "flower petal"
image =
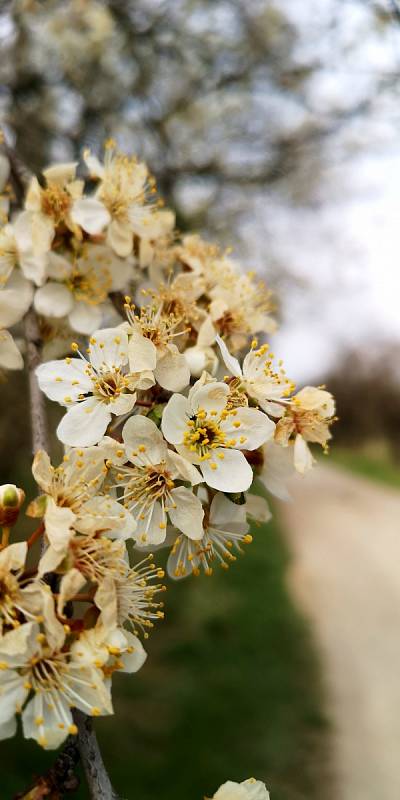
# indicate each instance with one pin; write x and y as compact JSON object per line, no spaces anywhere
{"x":59,"y":268}
{"x":64,"y":379}
{"x":90,"y":214}
{"x":183,"y":469}
{"x":248,"y":427}
{"x":10,"y":356}
{"x":231,"y":473}
{"x":210,"y":396}
{"x":61,"y":174}
{"x":172,"y":371}
{"x":15,"y":299}
{"x":103,"y":513}
{"x":174,"y":418}
{"x":134,"y":660}
{"x":13,"y":556}
{"x":84,"y":424}
{"x":188,"y":514}
{"x":58,"y":522}
{"x":152,"y":530}
{"x":108,"y":348}
{"x":278,"y":467}
{"x":70,"y":585}
{"x":142,"y":353}
{"x":120,"y":238}
{"x":230,"y":361}
{"x":257,"y":508}
{"x":303,"y":459}
{"x":84,"y":318}
{"x":53,"y":300}
{"x":143,"y":441}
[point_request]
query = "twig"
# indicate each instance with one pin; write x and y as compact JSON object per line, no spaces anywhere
{"x":33,"y":358}
{"x":36,"y":535}
{"x":99,"y":783}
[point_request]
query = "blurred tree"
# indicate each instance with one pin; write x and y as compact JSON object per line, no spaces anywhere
{"x":253,"y":116}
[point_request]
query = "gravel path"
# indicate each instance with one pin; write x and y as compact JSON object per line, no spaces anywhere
{"x":344,"y":533}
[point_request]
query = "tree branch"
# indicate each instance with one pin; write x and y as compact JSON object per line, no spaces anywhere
{"x":85,"y":744}
{"x":40,"y":439}
{"x":99,"y":783}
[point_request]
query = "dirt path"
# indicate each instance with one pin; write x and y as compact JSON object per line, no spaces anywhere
{"x":344,"y":533}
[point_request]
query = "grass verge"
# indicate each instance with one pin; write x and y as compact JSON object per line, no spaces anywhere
{"x":376,"y":467}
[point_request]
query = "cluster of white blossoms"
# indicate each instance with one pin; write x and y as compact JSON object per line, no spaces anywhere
{"x":173,"y":410}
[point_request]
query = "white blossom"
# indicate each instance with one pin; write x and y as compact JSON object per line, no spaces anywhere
{"x":210,"y":434}
{"x":251,"y":789}
{"x":152,"y":484}
{"x":258,"y":378}
{"x":58,"y":681}
{"x":92,"y":390}
{"x":226,"y":529}
{"x":78,"y":289}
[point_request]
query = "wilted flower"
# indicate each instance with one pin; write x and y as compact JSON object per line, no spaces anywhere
{"x":307,"y":419}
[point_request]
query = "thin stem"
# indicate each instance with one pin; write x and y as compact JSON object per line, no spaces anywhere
{"x":5,"y":536}
{"x":35,"y":535}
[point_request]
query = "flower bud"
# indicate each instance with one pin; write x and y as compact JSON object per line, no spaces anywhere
{"x":11,"y":499}
{"x":200,"y":359}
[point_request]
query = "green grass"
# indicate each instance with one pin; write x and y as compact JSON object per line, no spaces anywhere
{"x":377,"y":467}
{"x":230,"y":690}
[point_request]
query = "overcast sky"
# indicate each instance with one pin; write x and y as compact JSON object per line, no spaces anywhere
{"x":343,"y":247}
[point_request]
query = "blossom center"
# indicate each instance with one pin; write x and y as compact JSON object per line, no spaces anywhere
{"x":203,"y":434}
{"x":145,"y":485}
{"x":91,"y":287}
{"x":135,"y":596}
{"x":109,"y":386}
{"x":55,"y":203}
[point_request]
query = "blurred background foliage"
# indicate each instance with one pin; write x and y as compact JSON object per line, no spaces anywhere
{"x":269,"y":126}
